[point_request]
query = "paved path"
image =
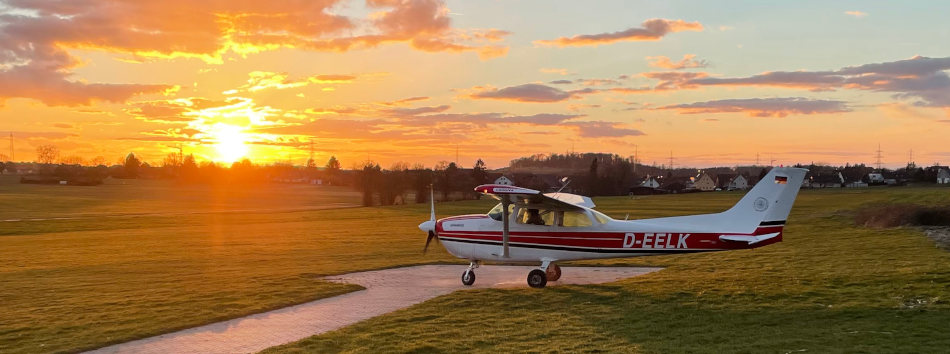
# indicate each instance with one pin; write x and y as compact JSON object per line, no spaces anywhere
{"x":386,"y":291}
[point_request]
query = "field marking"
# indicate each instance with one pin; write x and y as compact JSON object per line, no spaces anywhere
{"x":386,"y":291}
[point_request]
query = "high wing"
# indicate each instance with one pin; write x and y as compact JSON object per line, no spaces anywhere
{"x":525,"y":196}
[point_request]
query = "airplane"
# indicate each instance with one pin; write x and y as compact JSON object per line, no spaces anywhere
{"x":556,"y":227}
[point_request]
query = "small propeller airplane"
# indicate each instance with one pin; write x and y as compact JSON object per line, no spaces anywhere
{"x":557,"y":227}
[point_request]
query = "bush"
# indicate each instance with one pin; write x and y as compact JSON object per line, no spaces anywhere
{"x":893,"y":215}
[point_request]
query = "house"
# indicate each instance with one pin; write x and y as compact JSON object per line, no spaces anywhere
{"x":678,"y":185}
{"x":943,"y":176}
{"x":827,"y":180}
{"x":875,"y":178}
{"x":704,"y":183}
{"x":650,"y":182}
{"x":504,"y":180}
{"x":732,"y":182}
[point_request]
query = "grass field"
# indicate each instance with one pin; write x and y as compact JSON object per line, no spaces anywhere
{"x":105,"y":276}
{"x":830,"y":287}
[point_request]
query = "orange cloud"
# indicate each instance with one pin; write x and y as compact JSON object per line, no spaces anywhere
{"x":35,"y":60}
{"x":686,"y":63}
{"x":858,"y":14}
{"x":651,"y":30}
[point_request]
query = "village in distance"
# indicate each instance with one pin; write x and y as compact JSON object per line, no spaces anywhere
{"x":593,"y":174}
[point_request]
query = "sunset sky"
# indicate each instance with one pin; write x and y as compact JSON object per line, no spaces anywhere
{"x":713,"y":83}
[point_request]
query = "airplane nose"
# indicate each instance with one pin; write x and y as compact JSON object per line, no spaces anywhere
{"x":427,"y":226}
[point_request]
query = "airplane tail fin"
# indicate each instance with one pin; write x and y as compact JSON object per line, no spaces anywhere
{"x":770,"y":201}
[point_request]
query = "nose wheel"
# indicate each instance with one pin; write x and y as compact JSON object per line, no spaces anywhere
{"x":468,"y":276}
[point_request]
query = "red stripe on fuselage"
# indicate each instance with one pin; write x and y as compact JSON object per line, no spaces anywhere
{"x":619,"y":240}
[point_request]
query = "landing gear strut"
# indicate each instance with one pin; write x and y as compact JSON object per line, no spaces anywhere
{"x":468,"y":276}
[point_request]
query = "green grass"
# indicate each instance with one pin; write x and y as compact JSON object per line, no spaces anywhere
{"x":829,"y":287}
{"x":108,"y":277}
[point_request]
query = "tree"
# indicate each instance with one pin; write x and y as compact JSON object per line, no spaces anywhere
{"x":71,"y":160}
{"x":171,"y":160}
{"x":592,"y":178}
{"x":98,"y":161}
{"x":480,"y":173}
{"x":333,"y":171}
{"x":131,"y":165}
{"x":2,"y":167}
{"x":46,"y":154}
{"x":333,"y":164}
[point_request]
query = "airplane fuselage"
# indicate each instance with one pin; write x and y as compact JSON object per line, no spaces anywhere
{"x":479,"y":237}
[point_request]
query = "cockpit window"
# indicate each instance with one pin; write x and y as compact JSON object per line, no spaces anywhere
{"x":495,"y":213}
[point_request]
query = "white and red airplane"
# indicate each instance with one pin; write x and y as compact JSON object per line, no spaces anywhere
{"x":556,"y":227}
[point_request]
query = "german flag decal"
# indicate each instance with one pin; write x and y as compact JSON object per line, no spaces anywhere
{"x":781,"y":180}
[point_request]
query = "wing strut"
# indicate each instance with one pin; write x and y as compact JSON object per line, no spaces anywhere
{"x":505,"y":202}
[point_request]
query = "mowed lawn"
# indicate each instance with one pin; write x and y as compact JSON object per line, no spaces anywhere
{"x":151,"y":257}
{"x":829,"y":287}
{"x":103,"y":277}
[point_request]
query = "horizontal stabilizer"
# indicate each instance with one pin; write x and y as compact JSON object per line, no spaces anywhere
{"x":747,"y":238}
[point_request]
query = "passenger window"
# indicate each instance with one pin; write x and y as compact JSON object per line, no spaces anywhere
{"x":575,"y":219}
{"x":533,"y":216}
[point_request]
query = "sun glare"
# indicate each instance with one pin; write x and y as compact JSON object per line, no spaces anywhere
{"x":230,"y":143}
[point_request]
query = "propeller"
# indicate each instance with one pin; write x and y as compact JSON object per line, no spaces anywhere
{"x":429,"y":225}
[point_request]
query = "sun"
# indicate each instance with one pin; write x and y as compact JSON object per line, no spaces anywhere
{"x":230,"y":142}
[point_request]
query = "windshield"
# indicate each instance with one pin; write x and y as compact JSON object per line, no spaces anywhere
{"x":495,"y":213}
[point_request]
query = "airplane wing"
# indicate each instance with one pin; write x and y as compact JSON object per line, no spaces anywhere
{"x":525,"y":196}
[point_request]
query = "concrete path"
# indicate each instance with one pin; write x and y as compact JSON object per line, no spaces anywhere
{"x":386,"y":291}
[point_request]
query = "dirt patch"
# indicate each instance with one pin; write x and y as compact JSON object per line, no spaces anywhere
{"x":940,"y":235}
{"x":893,"y":215}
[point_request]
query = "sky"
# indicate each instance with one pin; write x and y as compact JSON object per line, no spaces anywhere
{"x":423,"y":81}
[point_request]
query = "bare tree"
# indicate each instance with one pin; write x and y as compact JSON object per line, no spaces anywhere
{"x":46,"y":154}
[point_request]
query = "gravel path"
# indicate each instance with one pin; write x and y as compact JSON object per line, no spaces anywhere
{"x":386,"y":291}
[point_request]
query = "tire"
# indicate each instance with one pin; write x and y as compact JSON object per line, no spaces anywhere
{"x":468,"y":277}
{"x":554,"y":272}
{"x":537,"y":279}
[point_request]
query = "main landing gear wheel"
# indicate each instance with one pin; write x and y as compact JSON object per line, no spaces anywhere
{"x":554,"y":272}
{"x":537,"y":278}
{"x":468,"y":277}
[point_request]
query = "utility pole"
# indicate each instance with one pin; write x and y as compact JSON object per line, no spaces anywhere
{"x":756,"y":159}
{"x":878,"y":161}
{"x":181,"y":155}
{"x":456,"y":155}
{"x":671,"y":161}
{"x":12,"y":158}
{"x":311,"y":151}
{"x":635,"y":147}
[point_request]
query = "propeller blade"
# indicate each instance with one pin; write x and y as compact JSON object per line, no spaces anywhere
{"x":432,"y":202}
{"x":429,"y":239}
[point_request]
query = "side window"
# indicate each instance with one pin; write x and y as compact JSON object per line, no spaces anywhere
{"x":575,"y":219}
{"x":533,"y":216}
